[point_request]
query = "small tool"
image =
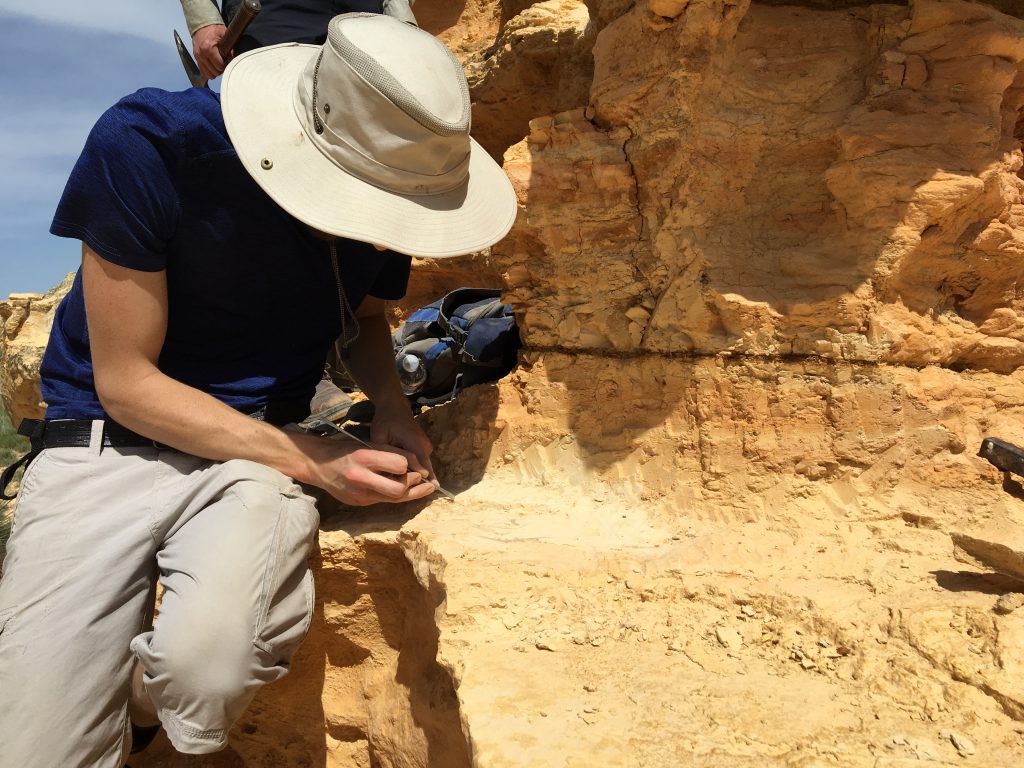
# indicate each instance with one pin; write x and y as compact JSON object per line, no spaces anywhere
{"x":332,"y":430}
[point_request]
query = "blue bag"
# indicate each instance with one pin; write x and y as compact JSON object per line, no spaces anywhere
{"x":465,"y":338}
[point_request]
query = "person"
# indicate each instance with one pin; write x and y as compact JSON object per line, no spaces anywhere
{"x":286,"y":21}
{"x":279,"y":21}
{"x":227,"y":241}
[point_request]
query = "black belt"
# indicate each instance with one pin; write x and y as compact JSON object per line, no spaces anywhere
{"x":77,"y":433}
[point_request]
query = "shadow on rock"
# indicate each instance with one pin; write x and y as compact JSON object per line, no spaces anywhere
{"x":985,"y":583}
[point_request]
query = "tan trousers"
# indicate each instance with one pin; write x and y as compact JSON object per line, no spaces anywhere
{"x":92,"y":531}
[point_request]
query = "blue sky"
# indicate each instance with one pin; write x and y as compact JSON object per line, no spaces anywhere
{"x":62,"y":63}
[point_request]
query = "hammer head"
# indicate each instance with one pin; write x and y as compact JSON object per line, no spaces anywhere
{"x":191,"y":68}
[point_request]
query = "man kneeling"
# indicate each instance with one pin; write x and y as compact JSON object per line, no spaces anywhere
{"x":227,"y":242}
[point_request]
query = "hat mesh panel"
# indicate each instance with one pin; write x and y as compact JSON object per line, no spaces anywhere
{"x":379,"y":77}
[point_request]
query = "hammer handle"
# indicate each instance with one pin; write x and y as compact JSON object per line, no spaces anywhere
{"x":246,"y":13}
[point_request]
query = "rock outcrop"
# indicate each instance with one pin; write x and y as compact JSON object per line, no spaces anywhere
{"x":768,"y":272}
{"x":25,"y":320}
{"x":776,"y":181}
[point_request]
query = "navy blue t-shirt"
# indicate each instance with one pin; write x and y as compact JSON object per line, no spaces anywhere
{"x":252,"y":298}
{"x":294,"y":21}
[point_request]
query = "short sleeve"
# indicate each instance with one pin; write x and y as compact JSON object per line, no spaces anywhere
{"x":120,"y":199}
{"x":393,"y":278}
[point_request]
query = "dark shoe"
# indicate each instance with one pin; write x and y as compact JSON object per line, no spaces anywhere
{"x":142,"y":736}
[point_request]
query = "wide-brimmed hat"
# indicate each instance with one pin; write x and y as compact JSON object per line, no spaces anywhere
{"x":367,"y":137}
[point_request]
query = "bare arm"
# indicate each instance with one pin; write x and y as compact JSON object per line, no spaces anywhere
{"x":372,"y":364}
{"x":127,"y":316}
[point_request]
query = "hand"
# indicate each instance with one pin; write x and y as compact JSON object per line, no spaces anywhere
{"x":360,"y":476}
{"x":204,"y":46}
{"x":395,"y":426}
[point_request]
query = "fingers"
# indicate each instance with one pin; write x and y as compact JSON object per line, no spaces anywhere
{"x":421,"y":465}
{"x":412,"y":443}
{"x":422,"y":457}
{"x":210,"y":62}
{"x":371,"y":488}
{"x":362,"y":476}
{"x":413,"y":460}
{"x":204,"y":45}
{"x":384,"y":475}
{"x":386,"y":459}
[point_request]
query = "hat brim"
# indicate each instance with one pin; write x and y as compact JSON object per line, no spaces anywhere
{"x":257,"y":102}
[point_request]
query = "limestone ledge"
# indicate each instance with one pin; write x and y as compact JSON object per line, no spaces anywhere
{"x":658,"y":562}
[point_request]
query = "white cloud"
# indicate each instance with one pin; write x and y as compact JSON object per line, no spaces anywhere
{"x":151,"y":19}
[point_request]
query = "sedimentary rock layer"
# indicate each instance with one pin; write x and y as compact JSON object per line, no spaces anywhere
{"x":782,"y":180}
{"x":715,"y":563}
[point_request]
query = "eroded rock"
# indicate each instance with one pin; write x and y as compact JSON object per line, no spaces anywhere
{"x":25,"y":321}
{"x":853,"y":196}
{"x":995,"y":552}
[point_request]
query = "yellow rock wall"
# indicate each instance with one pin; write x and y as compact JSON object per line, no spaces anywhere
{"x":779,"y":180}
{"x":25,"y":321}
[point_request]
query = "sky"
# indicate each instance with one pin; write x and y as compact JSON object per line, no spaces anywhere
{"x":62,"y":63}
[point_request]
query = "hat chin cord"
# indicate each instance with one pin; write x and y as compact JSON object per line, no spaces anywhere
{"x":343,"y":305}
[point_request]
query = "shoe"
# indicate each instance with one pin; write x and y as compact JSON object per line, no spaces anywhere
{"x":142,"y":736}
{"x":329,"y":403}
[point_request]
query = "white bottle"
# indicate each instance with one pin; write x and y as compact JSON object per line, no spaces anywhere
{"x":412,"y":372}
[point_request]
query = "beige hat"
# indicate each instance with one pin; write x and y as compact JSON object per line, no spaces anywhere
{"x":367,"y":137}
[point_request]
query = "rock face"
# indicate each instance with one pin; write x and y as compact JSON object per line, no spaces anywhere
{"x":768,"y":273}
{"x":25,"y":320}
{"x":776,"y":181}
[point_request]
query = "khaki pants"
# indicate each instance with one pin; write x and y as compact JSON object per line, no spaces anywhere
{"x":92,"y":531}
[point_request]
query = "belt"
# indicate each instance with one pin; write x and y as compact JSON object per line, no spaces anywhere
{"x":77,"y":433}
{"x":68,"y":433}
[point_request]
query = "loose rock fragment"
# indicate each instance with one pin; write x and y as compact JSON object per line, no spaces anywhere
{"x":984,"y":553}
{"x":1008,"y":603}
{"x":729,"y":638}
{"x":963,"y":745}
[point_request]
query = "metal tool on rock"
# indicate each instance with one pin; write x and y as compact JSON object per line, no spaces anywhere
{"x":330,"y":429}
